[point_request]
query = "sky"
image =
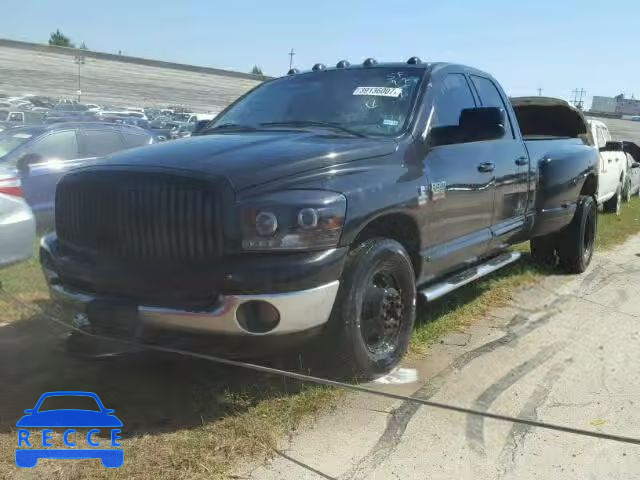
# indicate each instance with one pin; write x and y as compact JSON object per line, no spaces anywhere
{"x":553,"y":45}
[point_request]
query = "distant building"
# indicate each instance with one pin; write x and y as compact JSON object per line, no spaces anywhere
{"x":617,"y":104}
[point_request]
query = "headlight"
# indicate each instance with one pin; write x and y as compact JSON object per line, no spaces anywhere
{"x":293,"y":220}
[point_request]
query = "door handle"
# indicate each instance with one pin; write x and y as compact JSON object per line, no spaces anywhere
{"x":520,"y":161}
{"x":486,"y":167}
{"x":609,"y":160}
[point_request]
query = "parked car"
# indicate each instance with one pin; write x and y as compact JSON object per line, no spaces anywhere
{"x":42,"y":154}
{"x":17,"y":224}
{"x":25,"y":118}
{"x":612,"y":167}
{"x":319,"y":206}
{"x":122,"y":113}
{"x":632,"y":183}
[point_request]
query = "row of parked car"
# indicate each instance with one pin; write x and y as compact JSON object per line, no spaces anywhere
{"x":162,"y":123}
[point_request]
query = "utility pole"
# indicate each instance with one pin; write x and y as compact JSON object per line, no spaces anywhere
{"x":79,"y":60}
{"x":539,"y":92}
{"x":578,"y":95}
{"x":291,"y":55}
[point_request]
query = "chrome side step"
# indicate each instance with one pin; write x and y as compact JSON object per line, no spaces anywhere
{"x":457,"y":280}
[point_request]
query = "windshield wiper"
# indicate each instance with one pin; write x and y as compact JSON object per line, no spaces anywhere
{"x":312,"y":123}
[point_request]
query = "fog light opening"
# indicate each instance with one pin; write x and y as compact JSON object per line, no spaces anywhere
{"x":257,"y":316}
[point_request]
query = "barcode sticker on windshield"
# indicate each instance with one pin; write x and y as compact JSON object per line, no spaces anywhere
{"x":378,"y":91}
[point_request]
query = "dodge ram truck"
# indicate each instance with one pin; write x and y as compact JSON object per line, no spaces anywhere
{"x":316,"y":208}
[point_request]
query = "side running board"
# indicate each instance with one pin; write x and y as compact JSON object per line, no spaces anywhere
{"x":457,"y":280}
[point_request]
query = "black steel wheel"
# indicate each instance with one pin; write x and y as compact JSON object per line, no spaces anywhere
{"x":575,"y":250}
{"x":374,"y":313}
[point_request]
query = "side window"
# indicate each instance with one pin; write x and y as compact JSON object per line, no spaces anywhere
{"x":135,"y":139}
{"x":490,"y":97}
{"x":454,"y":95}
{"x":97,"y":143}
{"x":60,"y":145}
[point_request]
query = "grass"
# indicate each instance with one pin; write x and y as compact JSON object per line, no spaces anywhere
{"x":190,"y":419}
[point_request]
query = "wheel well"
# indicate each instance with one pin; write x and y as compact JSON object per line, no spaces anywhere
{"x":590,"y":186}
{"x":398,"y":227}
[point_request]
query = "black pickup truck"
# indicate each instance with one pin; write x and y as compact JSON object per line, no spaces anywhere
{"x":321,"y":205}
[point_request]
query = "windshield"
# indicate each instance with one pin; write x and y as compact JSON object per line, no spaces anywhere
{"x":376,"y":101}
{"x":9,"y":141}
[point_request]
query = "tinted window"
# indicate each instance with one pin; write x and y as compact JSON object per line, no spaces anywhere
{"x":135,"y":139}
{"x":490,"y":96}
{"x":61,"y":145}
{"x":453,"y":96}
{"x":96,"y":143}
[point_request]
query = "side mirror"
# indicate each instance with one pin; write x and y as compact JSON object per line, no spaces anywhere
{"x":25,"y":161}
{"x":635,"y":165}
{"x":482,"y":123}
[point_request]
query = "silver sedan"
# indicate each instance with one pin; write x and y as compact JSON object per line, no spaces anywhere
{"x":17,"y":225}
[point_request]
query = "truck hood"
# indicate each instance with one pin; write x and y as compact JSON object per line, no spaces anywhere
{"x":252,"y":158}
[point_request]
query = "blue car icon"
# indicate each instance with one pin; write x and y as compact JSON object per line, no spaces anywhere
{"x":103,"y":417}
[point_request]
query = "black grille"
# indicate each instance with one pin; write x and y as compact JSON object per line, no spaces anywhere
{"x":138,"y":215}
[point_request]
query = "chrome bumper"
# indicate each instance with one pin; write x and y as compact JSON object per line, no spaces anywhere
{"x":299,"y":311}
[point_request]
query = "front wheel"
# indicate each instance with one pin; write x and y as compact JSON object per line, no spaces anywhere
{"x":577,"y":241}
{"x":613,"y":204}
{"x":626,"y":195}
{"x":374,"y":314}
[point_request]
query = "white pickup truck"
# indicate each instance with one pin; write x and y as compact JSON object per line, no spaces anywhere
{"x":612,"y":168}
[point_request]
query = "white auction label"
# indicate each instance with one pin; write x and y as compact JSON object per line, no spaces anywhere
{"x":378,"y":91}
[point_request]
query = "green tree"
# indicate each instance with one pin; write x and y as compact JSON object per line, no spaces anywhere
{"x":59,"y":39}
{"x":256,"y":70}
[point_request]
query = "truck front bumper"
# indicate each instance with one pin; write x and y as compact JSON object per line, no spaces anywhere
{"x":235,"y":315}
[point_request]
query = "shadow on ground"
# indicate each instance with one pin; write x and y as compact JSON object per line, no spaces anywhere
{"x":150,"y":392}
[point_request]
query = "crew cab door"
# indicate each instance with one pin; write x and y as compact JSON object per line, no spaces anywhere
{"x":459,"y":179}
{"x":511,"y":160}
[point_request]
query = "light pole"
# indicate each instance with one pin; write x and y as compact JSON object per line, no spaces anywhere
{"x":291,"y":55}
{"x":79,"y":60}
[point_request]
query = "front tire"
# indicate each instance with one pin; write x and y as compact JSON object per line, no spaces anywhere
{"x":374,"y":314}
{"x":577,"y":240}
{"x":613,"y":204}
{"x":626,"y":195}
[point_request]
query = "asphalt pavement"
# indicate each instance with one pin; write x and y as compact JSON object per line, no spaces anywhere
{"x":565,"y":351}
